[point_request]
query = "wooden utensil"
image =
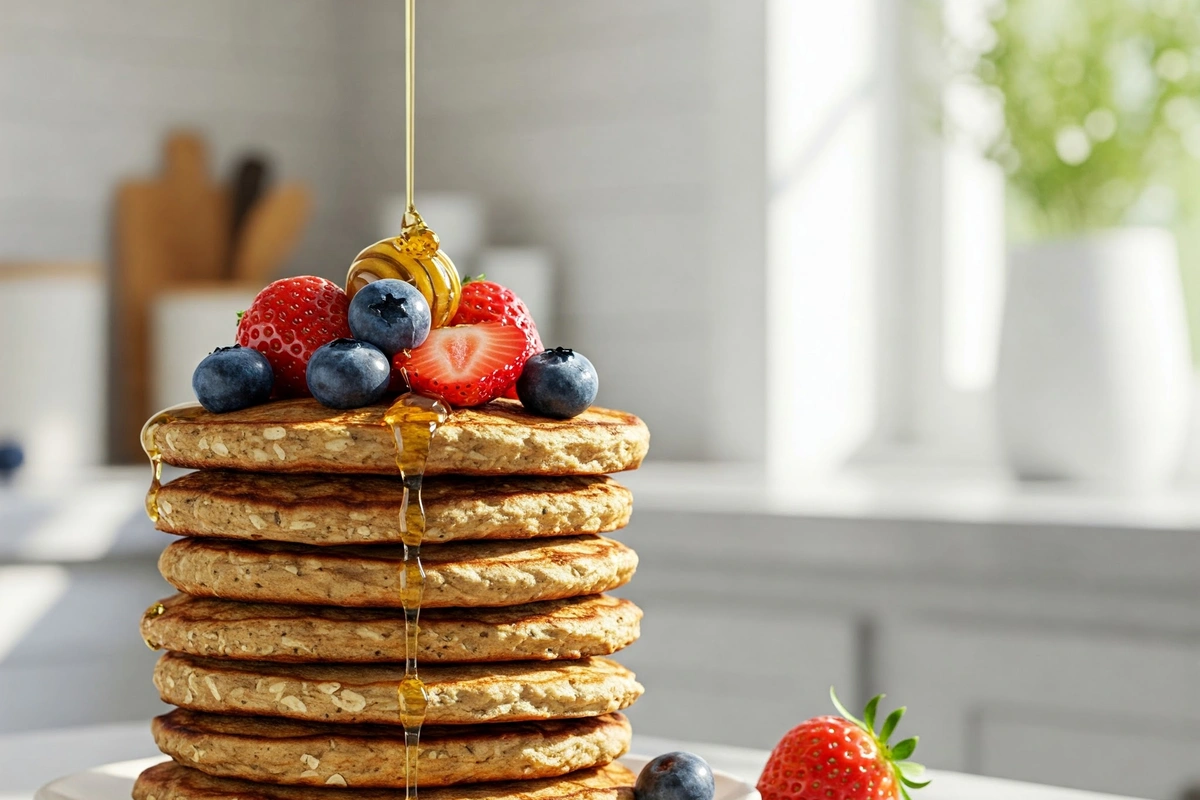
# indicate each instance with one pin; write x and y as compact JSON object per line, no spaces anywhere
{"x":251,"y":175}
{"x":271,"y":233}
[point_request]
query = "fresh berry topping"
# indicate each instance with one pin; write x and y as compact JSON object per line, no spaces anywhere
{"x":558,"y":383}
{"x":841,"y":758}
{"x":466,"y":365}
{"x":347,"y":373}
{"x":288,"y":321}
{"x":676,"y":776}
{"x":390,"y":314}
{"x":232,"y":378}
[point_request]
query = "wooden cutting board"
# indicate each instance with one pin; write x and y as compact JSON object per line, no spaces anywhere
{"x":170,"y":229}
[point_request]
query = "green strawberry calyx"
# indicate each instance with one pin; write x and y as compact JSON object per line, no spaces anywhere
{"x":908,"y":773}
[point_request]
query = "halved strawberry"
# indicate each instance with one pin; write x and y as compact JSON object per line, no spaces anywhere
{"x":467,"y":365}
{"x":488,"y":301}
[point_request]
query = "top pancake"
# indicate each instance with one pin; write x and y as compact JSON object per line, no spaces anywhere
{"x":301,"y":435}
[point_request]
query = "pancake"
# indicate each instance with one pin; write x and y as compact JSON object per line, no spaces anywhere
{"x":596,"y":625}
{"x":457,"y":575}
{"x":343,"y":509}
{"x":301,"y":435}
{"x":170,"y":781}
{"x":281,"y":751}
{"x":462,"y":694}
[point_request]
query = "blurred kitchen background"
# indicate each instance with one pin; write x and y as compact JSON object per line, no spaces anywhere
{"x":784,"y":231}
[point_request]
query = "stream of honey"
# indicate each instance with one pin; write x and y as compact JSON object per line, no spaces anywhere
{"x":413,"y":420}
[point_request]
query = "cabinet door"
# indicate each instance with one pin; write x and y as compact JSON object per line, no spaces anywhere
{"x":738,"y":676}
{"x":1113,"y":754}
{"x":1005,"y":699}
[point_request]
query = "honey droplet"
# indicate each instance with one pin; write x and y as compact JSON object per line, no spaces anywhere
{"x":153,"y":612}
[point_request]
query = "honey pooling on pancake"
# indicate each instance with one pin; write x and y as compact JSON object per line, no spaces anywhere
{"x":413,"y":420}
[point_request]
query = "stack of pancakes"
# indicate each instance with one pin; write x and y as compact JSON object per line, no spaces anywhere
{"x":286,"y":644}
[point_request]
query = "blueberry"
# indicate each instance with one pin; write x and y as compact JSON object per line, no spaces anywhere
{"x":390,"y":314}
{"x":558,"y":383}
{"x":232,"y":378}
{"x":676,"y":776}
{"x":347,"y":373}
{"x":11,"y":459}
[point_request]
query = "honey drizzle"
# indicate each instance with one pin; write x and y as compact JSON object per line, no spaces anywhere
{"x":153,"y":612}
{"x":155,"y":455}
{"x":413,"y":420}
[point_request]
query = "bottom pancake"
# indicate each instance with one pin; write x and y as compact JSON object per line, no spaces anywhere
{"x":170,"y":781}
{"x":462,"y":694}
{"x":368,"y":756}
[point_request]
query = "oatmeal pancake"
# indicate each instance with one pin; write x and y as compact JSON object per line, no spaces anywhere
{"x":362,"y":509}
{"x":457,"y":575}
{"x":310,"y":754}
{"x":459,"y":694}
{"x":301,"y":435}
{"x":171,"y":781}
{"x":594,"y":625}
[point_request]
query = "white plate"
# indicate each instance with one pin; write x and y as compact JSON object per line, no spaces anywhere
{"x":115,"y":782}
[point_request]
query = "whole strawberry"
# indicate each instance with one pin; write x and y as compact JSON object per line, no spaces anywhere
{"x":488,"y":301}
{"x":841,"y":758}
{"x":288,"y":321}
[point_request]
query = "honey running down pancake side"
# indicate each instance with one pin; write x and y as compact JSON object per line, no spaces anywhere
{"x":345,"y":509}
{"x":301,"y":435}
{"x":171,"y":781}
{"x":458,"y":575}
{"x":595,"y":625}
{"x":368,"y":756}
{"x":462,"y":694}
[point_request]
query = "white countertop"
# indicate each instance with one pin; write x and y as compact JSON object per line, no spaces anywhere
{"x":942,"y":493}
{"x":27,"y":761}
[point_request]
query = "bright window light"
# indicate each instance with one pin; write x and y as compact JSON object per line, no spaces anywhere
{"x":27,"y":593}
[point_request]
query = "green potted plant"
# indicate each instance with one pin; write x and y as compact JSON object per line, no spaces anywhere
{"x":1100,"y":143}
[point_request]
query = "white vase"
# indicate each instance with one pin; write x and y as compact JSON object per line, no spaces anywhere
{"x":1095,"y":374}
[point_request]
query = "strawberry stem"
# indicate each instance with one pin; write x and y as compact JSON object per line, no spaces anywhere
{"x":906,"y":772}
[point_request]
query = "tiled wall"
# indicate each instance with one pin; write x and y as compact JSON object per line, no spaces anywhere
{"x":585,"y":126}
{"x":88,"y":87}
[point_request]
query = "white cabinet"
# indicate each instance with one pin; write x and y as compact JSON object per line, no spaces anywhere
{"x":735,"y":675}
{"x":1104,"y":709}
